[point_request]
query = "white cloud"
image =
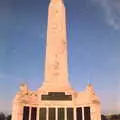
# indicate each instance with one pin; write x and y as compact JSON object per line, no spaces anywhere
{"x":112,"y":11}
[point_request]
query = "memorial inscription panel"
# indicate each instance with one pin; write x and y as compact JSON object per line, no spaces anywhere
{"x":70,"y":115}
{"x":26,"y":113}
{"x":42,"y":114}
{"x":61,"y":114}
{"x":87,"y":113}
{"x":33,"y":113}
{"x":56,"y":96}
{"x":79,"y":113}
{"x":51,"y":114}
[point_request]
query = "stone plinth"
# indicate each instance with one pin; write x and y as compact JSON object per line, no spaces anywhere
{"x":83,"y":105}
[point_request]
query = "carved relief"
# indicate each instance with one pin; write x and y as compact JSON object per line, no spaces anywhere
{"x":62,"y":47}
{"x":26,"y":96}
{"x":23,"y":88}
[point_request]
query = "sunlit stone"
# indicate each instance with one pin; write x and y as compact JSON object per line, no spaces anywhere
{"x":55,"y":99}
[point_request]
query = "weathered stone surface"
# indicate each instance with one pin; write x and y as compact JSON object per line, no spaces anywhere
{"x":56,"y":91}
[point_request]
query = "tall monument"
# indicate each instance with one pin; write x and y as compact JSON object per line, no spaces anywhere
{"x":55,"y":99}
{"x":56,"y":48}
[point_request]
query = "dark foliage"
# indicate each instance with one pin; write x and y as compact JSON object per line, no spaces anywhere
{"x":4,"y":116}
{"x":8,"y":117}
{"x":103,"y":117}
{"x":115,"y":117}
{"x":110,"y":117}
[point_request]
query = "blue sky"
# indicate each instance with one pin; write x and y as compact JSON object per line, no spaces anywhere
{"x":93,"y":30}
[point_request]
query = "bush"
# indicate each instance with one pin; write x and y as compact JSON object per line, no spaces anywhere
{"x":5,"y":117}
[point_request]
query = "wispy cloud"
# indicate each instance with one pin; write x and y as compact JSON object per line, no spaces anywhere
{"x":112,"y":11}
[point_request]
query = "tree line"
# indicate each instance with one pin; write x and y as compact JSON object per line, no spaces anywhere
{"x":4,"y":116}
{"x":110,"y":117}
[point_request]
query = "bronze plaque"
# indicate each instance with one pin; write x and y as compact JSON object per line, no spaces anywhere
{"x":42,"y":114}
{"x":61,"y":114}
{"x":26,"y":113}
{"x":70,"y":114}
{"x":87,"y":115}
{"x":56,"y":96}
{"x":51,"y":114}
{"x":33,"y":113}
{"x":79,"y":113}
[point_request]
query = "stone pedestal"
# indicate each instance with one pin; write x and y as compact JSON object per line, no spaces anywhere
{"x":68,"y":105}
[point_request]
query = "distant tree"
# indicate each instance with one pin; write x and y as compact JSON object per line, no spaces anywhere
{"x":8,"y":117}
{"x":115,"y":117}
{"x":2,"y":116}
{"x":103,"y":117}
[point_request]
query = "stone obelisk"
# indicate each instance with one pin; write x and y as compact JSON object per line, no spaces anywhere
{"x":55,"y":99}
{"x":56,"y":68}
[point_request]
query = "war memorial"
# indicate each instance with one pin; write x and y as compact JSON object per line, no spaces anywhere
{"x":56,"y":99}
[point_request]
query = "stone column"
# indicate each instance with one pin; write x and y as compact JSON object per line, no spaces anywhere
{"x":65,"y":113}
{"x":75,"y":117}
{"x":47,"y":114}
{"x":56,"y":112}
{"x":83,"y":112}
{"x":95,"y":112}
{"x":14,"y":111}
{"x":17,"y":113}
{"x":38,"y":113}
{"x":30,"y":108}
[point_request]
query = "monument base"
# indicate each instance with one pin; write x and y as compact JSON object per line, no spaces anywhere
{"x":67,"y":105}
